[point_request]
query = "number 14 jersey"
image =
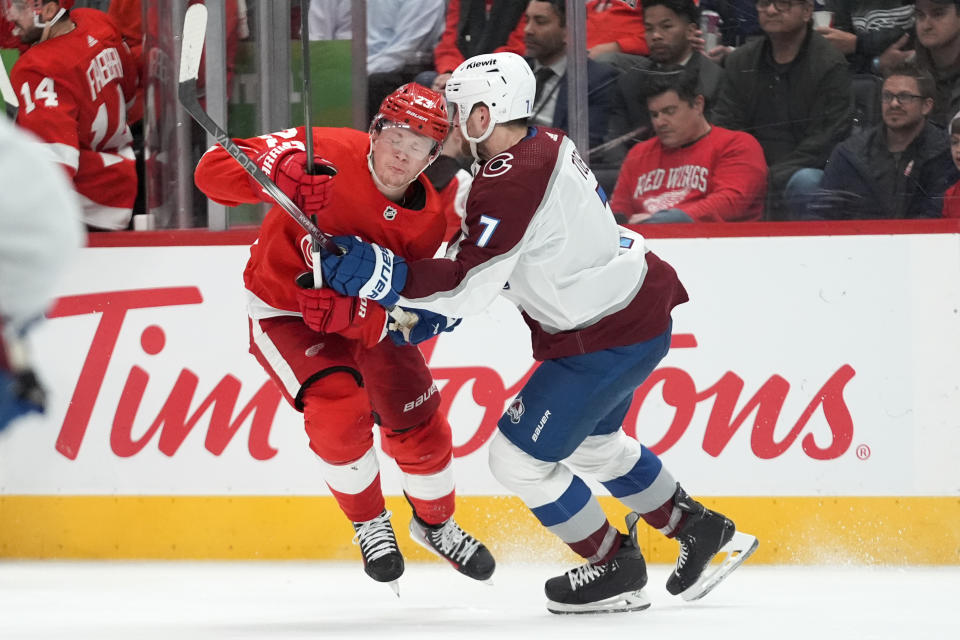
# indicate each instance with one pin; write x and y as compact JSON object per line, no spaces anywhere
{"x":74,"y":91}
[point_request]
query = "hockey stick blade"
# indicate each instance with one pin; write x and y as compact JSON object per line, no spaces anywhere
{"x":9,"y":95}
{"x":191,"y":44}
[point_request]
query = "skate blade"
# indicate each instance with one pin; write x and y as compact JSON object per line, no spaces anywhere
{"x":629,"y":601}
{"x":395,"y":586}
{"x":417,"y":536}
{"x":740,"y":547}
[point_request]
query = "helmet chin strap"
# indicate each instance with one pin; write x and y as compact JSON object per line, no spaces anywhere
{"x":475,"y":141}
{"x":46,"y":26}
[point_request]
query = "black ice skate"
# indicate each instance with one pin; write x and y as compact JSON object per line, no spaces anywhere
{"x":607,"y":587}
{"x":382,"y":560}
{"x":467,"y":554}
{"x":704,"y":535}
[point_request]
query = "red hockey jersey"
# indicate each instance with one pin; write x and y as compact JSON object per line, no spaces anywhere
{"x":357,"y":207}
{"x":722,"y":177}
{"x":74,"y":91}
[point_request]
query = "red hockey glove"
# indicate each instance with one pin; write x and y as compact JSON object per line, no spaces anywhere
{"x":286,"y":165}
{"x":326,"y":311}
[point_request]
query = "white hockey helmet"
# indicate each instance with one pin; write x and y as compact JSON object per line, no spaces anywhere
{"x":503,"y":82}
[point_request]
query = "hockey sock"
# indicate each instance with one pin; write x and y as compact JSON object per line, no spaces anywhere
{"x":667,"y":518}
{"x":599,"y":546}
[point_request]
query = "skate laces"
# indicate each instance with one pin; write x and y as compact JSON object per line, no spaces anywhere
{"x":585,"y":574}
{"x":453,"y":542}
{"x":376,"y":537}
{"x":684,"y":551}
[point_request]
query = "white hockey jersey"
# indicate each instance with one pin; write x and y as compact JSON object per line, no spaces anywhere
{"x":40,"y":227}
{"x":540,"y":232}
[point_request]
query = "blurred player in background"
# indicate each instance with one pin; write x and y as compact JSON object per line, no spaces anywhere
{"x":326,"y":352}
{"x":39,"y":233}
{"x":538,"y":231}
{"x":75,"y":83}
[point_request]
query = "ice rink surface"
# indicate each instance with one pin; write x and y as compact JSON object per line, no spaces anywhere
{"x":185,"y":600}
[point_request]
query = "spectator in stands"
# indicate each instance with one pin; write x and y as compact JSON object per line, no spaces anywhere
{"x":615,"y":32}
{"x":670,"y":28}
{"x":690,"y":171}
{"x":738,"y":20}
{"x":938,"y":51}
{"x":791,"y":90}
{"x":951,"y":199}
{"x":898,"y":169}
{"x":474,"y":27}
{"x":79,"y":109}
{"x":401,"y":36}
{"x":864,"y":30}
{"x":330,"y":19}
{"x":545,"y":36}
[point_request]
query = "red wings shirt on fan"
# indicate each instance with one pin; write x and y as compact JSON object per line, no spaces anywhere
{"x":74,"y":91}
{"x":722,"y":177}
{"x":357,"y":207}
{"x":951,"y":202}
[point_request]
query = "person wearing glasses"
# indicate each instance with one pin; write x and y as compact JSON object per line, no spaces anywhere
{"x":791,"y":90}
{"x":897,"y":169}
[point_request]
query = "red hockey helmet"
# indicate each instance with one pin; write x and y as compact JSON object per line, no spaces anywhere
{"x":416,"y":108}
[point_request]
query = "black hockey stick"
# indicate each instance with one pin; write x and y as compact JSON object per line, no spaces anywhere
{"x":9,"y":95}
{"x":308,"y":124}
{"x":307,"y":95}
{"x":191,"y":49}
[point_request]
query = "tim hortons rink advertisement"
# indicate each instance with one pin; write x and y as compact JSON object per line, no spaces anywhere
{"x":802,"y":366}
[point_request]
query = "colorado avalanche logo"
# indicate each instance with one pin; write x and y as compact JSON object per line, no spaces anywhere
{"x":498,"y":165}
{"x":516,"y":410}
{"x":389,"y":213}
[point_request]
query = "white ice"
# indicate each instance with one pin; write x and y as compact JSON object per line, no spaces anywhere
{"x":185,"y":600}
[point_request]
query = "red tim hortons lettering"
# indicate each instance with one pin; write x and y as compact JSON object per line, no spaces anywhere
{"x":173,"y":415}
{"x":679,"y":391}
